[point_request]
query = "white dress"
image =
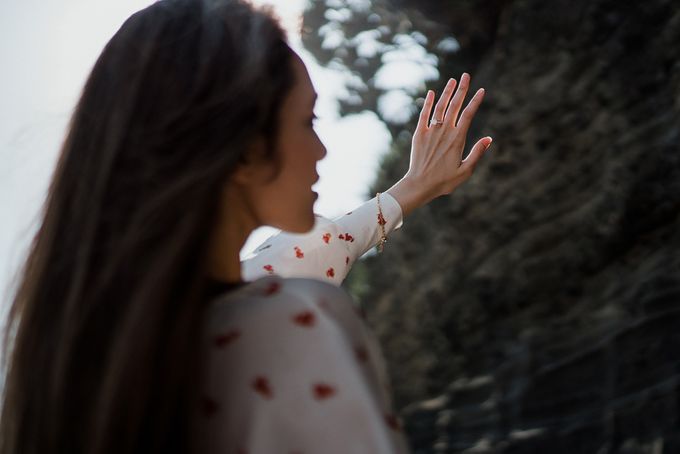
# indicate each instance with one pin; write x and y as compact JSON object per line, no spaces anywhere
{"x":291,"y":366}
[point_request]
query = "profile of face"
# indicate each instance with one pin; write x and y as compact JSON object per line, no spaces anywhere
{"x":287,"y":201}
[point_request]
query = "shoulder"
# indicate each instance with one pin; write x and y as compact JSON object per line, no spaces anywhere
{"x":273,"y":289}
{"x":271,"y":300}
{"x":282,"y":324}
{"x":290,"y":355}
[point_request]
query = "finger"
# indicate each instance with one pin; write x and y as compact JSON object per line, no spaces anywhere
{"x":440,"y":108}
{"x":425,"y":111}
{"x":475,"y":154}
{"x":470,"y":111}
{"x":457,"y":101}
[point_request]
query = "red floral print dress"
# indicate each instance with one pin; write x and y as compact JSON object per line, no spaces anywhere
{"x":291,"y":367}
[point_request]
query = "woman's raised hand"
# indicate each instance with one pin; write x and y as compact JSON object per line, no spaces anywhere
{"x":436,"y":167}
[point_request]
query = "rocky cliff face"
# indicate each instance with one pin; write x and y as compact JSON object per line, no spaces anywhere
{"x":537,"y":308}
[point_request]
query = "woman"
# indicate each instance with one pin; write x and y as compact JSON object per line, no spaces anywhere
{"x":194,"y":128}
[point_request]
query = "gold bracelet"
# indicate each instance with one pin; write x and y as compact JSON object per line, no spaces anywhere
{"x":381,"y":223}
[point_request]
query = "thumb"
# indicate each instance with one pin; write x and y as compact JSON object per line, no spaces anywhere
{"x":476,"y":153}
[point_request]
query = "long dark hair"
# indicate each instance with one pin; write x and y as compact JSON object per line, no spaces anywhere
{"x":101,"y":345}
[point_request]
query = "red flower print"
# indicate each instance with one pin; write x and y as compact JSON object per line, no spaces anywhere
{"x":393,"y":422}
{"x":298,"y":252}
{"x":225,"y":339}
{"x":305,"y":318}
{"x":330,"y":272}
{"x":346,"y":260}
{"x":269,"y":269}
{"x":346,"y":237}
{"x":326,"y":237}
{"x":381,"y":219}
{"x":272,"y":288}
{"x":262,"y":387}
{"x":323,"y":391}
{"x":361,"y":353}
{"x":210,"y":407}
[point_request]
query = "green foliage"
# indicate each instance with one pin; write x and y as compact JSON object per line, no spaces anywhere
{"x":358,"y":41}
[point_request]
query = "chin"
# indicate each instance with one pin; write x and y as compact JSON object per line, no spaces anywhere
{"x":301,"y":227}
{"x":306,"y":228}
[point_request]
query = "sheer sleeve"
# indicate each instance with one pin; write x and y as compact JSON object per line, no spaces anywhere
{"x":289,"y":378}
{"x":328,"y":251}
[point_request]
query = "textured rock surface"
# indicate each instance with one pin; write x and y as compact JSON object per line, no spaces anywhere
{"x":537,"y":308}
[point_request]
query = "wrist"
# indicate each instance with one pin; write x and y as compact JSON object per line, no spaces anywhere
{"x":409,"y":194}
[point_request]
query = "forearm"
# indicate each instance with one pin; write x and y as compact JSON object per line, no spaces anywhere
{"x":363,"y":224}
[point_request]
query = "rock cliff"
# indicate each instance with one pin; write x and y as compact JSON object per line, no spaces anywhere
{"x":537,"y":308}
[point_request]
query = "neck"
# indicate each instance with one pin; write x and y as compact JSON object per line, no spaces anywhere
{"x":231,"y":233}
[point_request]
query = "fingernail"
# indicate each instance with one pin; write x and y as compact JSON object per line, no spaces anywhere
{"x":489,"y":144}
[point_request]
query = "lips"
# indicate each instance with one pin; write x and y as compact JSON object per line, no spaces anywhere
{"x":317,"y":179}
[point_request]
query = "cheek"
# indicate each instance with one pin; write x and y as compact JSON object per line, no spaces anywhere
{"x":296,"y":161}
{"x":288,"y":181}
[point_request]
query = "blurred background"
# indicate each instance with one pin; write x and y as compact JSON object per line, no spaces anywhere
{"x":535,"y":309}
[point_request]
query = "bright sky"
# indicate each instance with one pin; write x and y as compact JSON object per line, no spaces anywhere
{"x":48,"y":48}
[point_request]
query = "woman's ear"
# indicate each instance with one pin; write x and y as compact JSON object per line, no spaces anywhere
{"x":255,"y":166}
